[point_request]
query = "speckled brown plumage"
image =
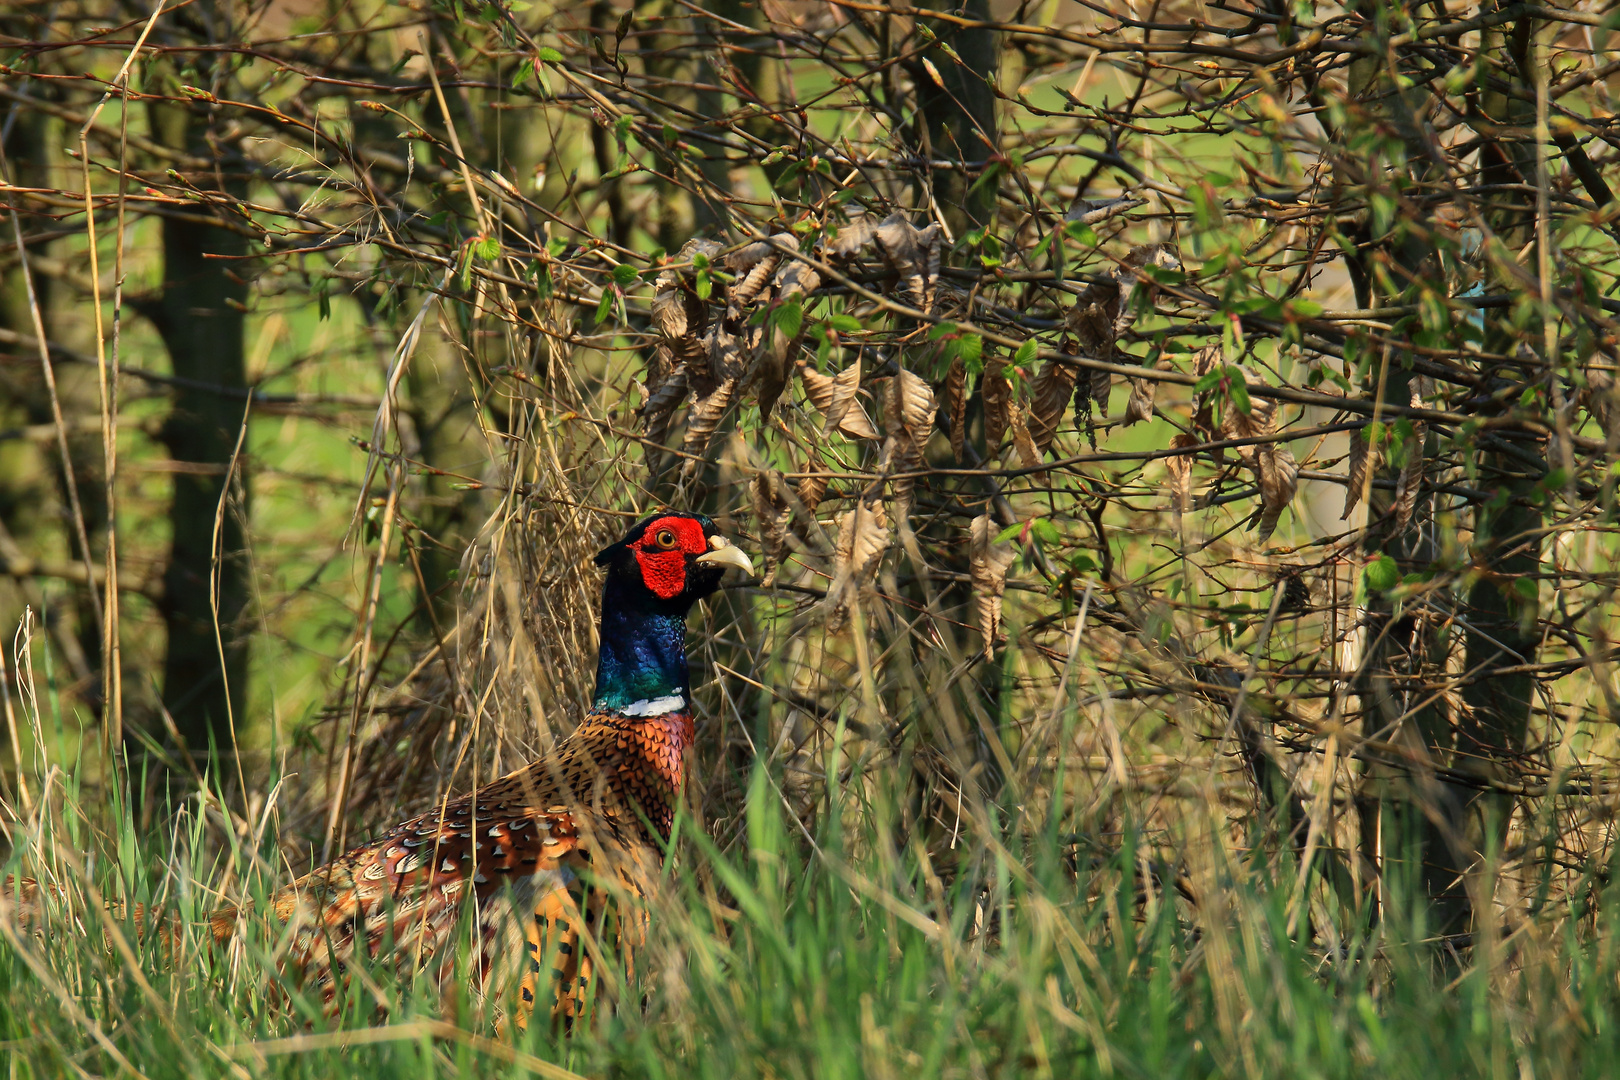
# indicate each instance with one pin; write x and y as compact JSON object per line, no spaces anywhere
{"x":555,"y":857}
{"x":598,"y":810}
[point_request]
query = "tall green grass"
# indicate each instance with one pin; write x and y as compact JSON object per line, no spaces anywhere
{"x":845,"y":950}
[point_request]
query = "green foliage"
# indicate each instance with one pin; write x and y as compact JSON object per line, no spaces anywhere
{"x":1019,"y":953}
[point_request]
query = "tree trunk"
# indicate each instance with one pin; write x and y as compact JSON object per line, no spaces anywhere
{"x":200,"y":316}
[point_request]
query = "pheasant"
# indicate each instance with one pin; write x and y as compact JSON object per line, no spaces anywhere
{"x":540,"y":853}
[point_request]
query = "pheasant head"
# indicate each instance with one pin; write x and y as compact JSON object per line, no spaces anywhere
{"x":655,"y":574}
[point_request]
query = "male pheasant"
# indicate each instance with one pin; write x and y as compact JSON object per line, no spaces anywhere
{"x":539,"y":853}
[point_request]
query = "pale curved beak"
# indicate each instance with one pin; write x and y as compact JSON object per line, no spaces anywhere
{"x":723,"y":553}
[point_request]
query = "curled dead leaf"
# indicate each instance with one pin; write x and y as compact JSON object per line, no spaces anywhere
{"x":911,"y":253}
{"x":1029,"y":455}
{"x":701,"y":421}
{"x":1278,"y":473}
{"x":908,"y":411}
{"x":988,"y":562}
{"x":956,"y":405}
{"x":863,"y":537}
{"x":1053,"y":388}
{"x":1362,"y":457}
{"x":1143,"y":391}
{"x":1179,"y":467}
{"x":995,"y":389}
{"x":753,"y":264}
{"x":660,"y":406}
{"x":908,"y":405}
{"x":812,"y":487}
{"x":1261,"y":419}
{"x":773,"y":510}
{"x":795,"y":278}
{"x":1410,"y":482}
{"x":1207,"y":359}
{"x":669,"y":305}
{"x":851,"y":238}
{"x":834,"y":398}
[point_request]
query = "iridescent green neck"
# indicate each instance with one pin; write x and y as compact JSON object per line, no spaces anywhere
{"x":642,"y":656}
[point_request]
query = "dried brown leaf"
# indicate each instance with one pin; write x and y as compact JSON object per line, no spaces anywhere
{"x":908,"y":410}
{"x":897,"y":240}
{"x":702,"y":419}
{"x":852,"y":238}
{"x":863,"y":537}
{"x":1053,"y":388}
{"x":796,"y":278}
{"x":1207,"y":359}
{"x":773,"y":510}
{"x":1102,"y":387}
{"x":1140,"y":404}
{"x":750,"y":282}
{"x":669,"y":305}
{"x":728,"y":352}
{"x":995,"y":389}
{"x":988,"y":563}
{"x":1029,"y":455}
{"x":661,"y":404}
{"x":1410,"y":482}
{"x":747,"y":258}
{"x":834,"y":398}
{"x":811,"y":488}
{"x":956,"y":405}
{"x":1261,"y":419}
{"x":1361,"y":459}
{"x":908,"y":402}
{"x":1278,"y":473}
{"x":1129,"y":277}
{"x":1179,"y":467}
{"x":1091,"y":322}
{"x":931,"y":240}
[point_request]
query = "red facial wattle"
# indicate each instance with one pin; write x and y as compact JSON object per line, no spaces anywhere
{"x":662,"y":553}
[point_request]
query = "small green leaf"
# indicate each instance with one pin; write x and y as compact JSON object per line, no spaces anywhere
{"x":1081,"y":232}
{"x":1381,"y":574}
{"x":1027,"y":351}
{"x":624,"y":275}
{"x":941,"y":330}
{"x":1526,"y":588}
{"x":550,"y":55}
{"x":1240,"y":392}
{"x":970,"y":349}
{"x":489,"y":249}
{"x":704,"y":285}
{"x":789,"y":318}
{"x":605,"y":307}
{"x":845,"y":324}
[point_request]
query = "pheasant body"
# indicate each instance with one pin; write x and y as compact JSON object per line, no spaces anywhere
{"x":523,"y":843}
{"x":538,"y":856}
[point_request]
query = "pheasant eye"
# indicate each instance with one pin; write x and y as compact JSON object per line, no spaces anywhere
{"x":665,"y":538}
